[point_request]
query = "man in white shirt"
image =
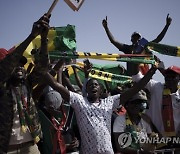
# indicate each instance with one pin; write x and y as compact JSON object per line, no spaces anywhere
{"x":172,"y":77}
{"x":94,"y":114}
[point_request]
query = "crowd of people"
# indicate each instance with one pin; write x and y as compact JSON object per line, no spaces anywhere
{"x":43,"y":112}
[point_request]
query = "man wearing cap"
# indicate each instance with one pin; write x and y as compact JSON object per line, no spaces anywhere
{"x":51,"y":122}
{"x":134,"y":122}
{"x":164,"y":104}
{"x":53,"y":119}
{"x":135,"y":37}
{"x":20,"y":128}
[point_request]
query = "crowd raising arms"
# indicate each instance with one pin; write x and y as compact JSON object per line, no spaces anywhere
{"x":92,"y":112}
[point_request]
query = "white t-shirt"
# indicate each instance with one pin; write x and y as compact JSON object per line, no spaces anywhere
{"x":155,"y":103}
{"x":120,"y":126}
{"x":94,"y":122}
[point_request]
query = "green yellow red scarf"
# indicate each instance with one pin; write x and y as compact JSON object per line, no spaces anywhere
{"x":27,"y":113}
{"x":133,"y":130}
{"x":167,"y":113}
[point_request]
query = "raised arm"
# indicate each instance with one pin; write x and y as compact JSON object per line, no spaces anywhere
{"x":59,"y":69}
{"x":66,"y":82}
{"x":37,"y":91}
{"x":57,"y":86}
{"x":78,"y":80}
{"x":125,"y":96}
{"x":161,"y":66}
{"x":12,"y":59}
{"x":43,"y":55}
{"x":41,"y":60}
{"x":110,"y":36}
{"x":87,"y":69}
{"x":163,"y":32}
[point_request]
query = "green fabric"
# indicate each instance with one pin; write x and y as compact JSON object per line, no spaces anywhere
{"x":137,"y":60}
{"x":133,"y":133}
{"x":111,"y":68}
{"x":131,"y":129}
{"x":164,"y":49}
{"x":65,"y":39}
{"x":48,"y":133}
{"x":49,"y":130}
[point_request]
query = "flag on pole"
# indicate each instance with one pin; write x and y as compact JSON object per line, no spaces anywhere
{"x":114,"y":74}
{"x":164,"y":49}
{"x":102,"y":75}
{"x":74,"y":4}
{"x":59,"y":38}
{"x":106,"y":75}
{"x":149,"y":47}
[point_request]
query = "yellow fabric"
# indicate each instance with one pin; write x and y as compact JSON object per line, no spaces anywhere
{"x":36,"y":139}
{"x":178,"y":52}
{"x":24,"y":128}
{"x":97,"y":74}
{"x":166,"y":92}
{"x":36,"y":43}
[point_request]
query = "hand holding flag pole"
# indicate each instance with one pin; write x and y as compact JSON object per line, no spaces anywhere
{"x":50,"y":10}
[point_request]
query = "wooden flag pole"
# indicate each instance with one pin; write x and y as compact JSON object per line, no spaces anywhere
{"x":52,"y":7}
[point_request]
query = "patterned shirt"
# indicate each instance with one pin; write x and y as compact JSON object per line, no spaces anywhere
{"x":94,"y":121}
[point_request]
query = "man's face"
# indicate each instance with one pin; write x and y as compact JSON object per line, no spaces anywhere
{"x":135,"y":39}
{"x":19,"y":73}
{"x":171,"y":79}
{"x":137,"y":106}
{"x":93,"y":88}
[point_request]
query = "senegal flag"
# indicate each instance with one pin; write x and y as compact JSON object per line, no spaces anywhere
{"x":59,"y":39}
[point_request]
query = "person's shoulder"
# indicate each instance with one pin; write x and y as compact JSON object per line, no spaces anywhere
{"x":75,"y":95}
{"x":178,"y":91}
{"x":121,"y":117}
{"x":126,"y":48}
{"x":114,"y":96}
{"x":157,"y":84}
{"x":145,"y":117}
{"x":119,"y":123}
